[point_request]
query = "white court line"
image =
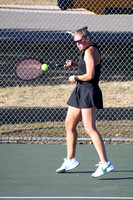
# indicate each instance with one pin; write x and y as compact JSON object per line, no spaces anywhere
{"x":66,"y":197}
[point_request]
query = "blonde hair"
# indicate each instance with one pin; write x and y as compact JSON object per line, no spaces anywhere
{"x":83,"y":32}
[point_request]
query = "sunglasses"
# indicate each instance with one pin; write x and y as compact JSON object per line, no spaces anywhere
{"x":78,"y":41}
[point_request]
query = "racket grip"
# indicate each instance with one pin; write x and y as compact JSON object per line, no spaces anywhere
{"x":60,"y":64}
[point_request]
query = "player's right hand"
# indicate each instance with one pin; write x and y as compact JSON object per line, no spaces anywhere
{"x":68,"y":63}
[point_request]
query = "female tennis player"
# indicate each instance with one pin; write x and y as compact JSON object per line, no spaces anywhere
{"x":83,"y":102}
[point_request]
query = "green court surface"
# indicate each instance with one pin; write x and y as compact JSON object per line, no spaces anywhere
{"x":28,"y":171}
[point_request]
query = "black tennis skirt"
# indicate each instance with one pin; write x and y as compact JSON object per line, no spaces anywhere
{"x":86,"y":96}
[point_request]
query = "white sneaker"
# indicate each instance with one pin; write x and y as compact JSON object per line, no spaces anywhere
{"x":103,"y":168}
{"x":67,"y":165}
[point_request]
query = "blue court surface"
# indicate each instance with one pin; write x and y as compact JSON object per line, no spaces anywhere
{"x":28,"y":171}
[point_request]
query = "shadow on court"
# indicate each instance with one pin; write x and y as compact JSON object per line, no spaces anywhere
{"x":111,"y":179}
{"x":29,"y":170}
{"x":116,"y":178}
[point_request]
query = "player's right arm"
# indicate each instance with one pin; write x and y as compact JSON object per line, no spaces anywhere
{"x":70,"y":63}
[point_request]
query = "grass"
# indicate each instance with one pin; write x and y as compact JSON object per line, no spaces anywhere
{"x":29,"y":2}
{"x":115,"y":94}
{"x":108,"y":129}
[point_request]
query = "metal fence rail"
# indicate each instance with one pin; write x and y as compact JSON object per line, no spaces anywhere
{"x":36,"y":110}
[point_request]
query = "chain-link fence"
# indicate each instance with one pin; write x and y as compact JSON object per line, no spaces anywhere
{"x":36,"y":110}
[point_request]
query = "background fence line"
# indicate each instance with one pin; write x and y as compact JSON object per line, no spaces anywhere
{"x":36,"y":110}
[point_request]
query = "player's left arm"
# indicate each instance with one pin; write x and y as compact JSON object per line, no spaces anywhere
{"x":89,"y":58}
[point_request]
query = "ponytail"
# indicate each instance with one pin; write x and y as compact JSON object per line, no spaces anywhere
{"x":83,"y":32}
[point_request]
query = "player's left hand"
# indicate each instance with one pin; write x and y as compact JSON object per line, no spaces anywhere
{"x":71,"y":79}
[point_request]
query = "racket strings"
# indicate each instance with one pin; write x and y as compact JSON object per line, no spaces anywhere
{"x":28,"y":69}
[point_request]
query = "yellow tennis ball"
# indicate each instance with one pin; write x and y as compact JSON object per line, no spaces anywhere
{"x":44,"y":67}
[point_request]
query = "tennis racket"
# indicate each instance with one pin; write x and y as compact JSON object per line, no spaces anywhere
{"x":30,"y":69}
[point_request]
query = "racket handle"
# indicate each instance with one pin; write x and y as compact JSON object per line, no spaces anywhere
{"x":60,"y":64}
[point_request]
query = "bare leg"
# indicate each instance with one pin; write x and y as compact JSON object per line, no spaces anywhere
{"x":89,"y":121}
{"x":72,"y":119}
